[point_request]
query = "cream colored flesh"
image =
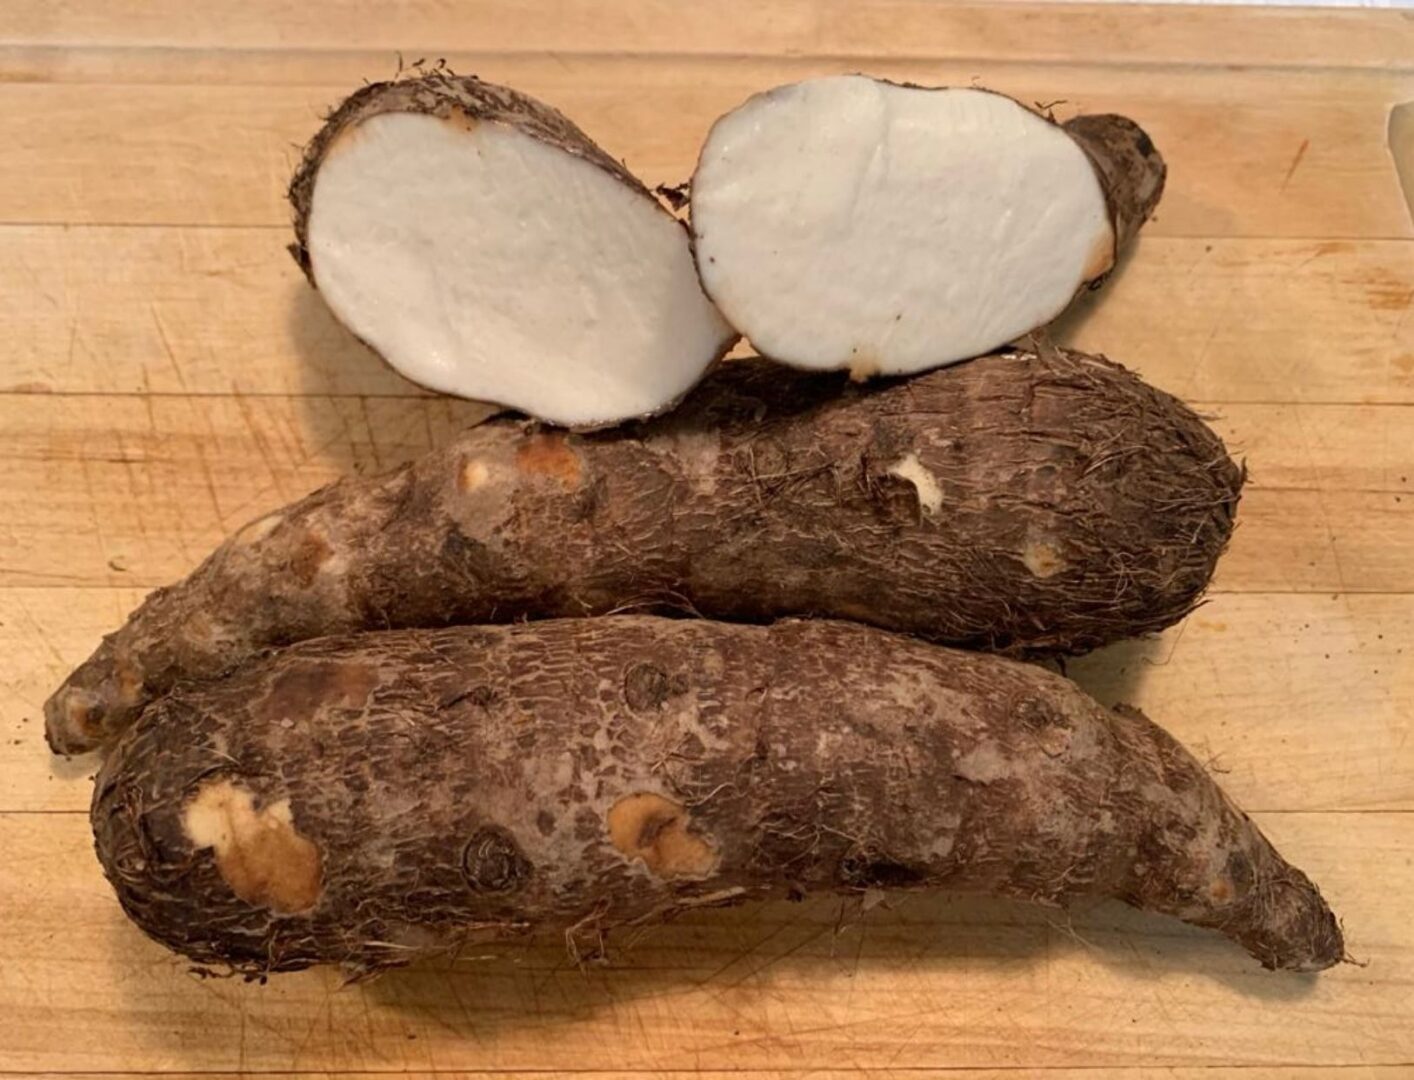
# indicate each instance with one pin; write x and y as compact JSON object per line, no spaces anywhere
{"x":482,"y":262}
{"x":848,"y":223}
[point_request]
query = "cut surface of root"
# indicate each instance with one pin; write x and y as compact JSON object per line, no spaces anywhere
{"x":849,"y":223}
{"x":484,"y":260}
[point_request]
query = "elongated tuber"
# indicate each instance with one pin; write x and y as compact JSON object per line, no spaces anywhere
{"x":1021,"y":503}
{"x":486,"y":247}
{"x":847,"y":222}
{"x":372,"y":799}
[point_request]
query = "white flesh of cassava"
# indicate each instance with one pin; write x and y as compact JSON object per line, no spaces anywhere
{"x":848,"y":223}
{"x":482,"y":262}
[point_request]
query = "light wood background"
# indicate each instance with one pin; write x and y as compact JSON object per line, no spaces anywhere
{"x":165,"y":374}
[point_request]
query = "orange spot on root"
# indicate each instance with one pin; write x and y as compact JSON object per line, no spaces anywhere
{"x":652,"y":828}
{"x":548,"y":454}
{"x":259,"y":853}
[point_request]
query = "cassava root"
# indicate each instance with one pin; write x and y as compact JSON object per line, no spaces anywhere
{"x":372,"y":799}
{"x":1022,"y":503}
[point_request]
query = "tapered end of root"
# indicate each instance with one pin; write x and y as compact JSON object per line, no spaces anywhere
{"x":1131,"y":169}
{"x":1204,"y":861}
{"x":67,"y":727}
{"x":1287,"y":924}
{"x":79,"y":716}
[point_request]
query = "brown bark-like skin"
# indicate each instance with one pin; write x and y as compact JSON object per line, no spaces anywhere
{"x":444,"y":95}
{"x":1131,"y":170}
{"x":401,"y":793}
{"x":1017,"y":503}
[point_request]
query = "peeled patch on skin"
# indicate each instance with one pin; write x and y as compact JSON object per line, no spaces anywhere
{"x":1042,"y":559}
{"x":548,"y":454}
{"x":259,"y":853}
{"x":930,"y":494}
{"x":985,"y":764}
{"x":851,"y":223}
{"x":652,"y":828}
{"x":473,"y":475}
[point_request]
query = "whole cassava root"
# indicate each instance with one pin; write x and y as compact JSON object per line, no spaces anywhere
{"x":1020,"y":503}
{"x":371,"y":799}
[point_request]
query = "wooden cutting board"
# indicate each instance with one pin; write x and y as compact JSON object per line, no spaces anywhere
{"x":165,"y":375}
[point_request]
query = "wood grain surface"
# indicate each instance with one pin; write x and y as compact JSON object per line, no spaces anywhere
{"x":166,"y":375}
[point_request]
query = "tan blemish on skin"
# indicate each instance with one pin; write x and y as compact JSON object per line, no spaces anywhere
{"x":1043,"y":559}
{"x":473,"y":475}
{"x":299,"y":692}
{"x":199,"y":628}
{"x":129,"y":682}
{"x":697,"y":454}
{"x":82,"y":713}
{"x":942,"y":846}
{"x":311,"y":554}
{"x":648,"y":826}
{"x":258,"y":529}
{"x":930,"y":494}
{"x":983,"y":764}
{"x":549,"y":455}
{"x":260,"y":853}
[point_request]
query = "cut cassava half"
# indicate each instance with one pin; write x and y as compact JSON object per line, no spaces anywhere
{"x":371,"y":799}
{"x":847,"y":222}
{"x":485,"y":247}
{"x":1021,"y":503}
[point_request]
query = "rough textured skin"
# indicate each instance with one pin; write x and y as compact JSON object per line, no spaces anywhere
{"x":1131,"y":170}
{"x":397,"y":794}
{"x":1017,"y":503}
{"x":444,"y":95}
